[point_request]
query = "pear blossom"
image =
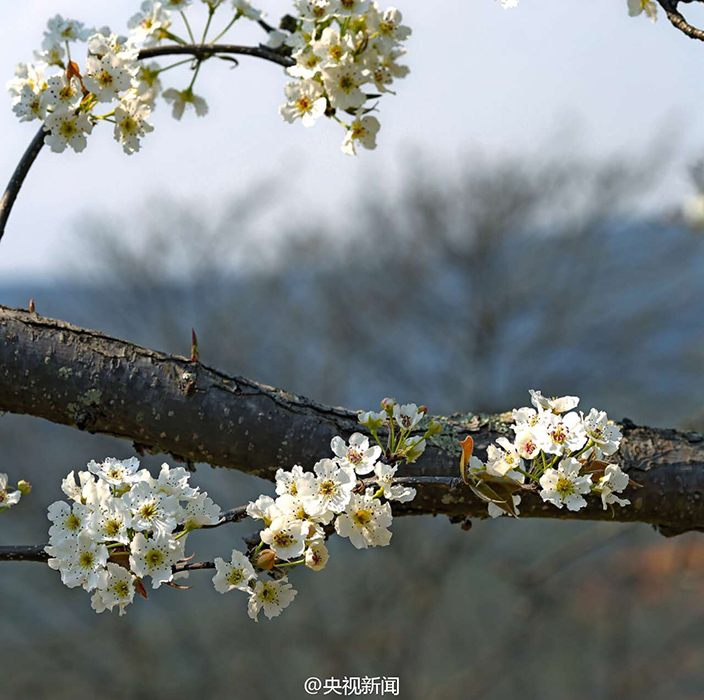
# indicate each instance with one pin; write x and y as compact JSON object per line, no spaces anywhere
{"x":393,"y":492}
{"x":60,"y":30}
{"x":363,"y":131}
{"x":388,"y":25}
{"x":68,"y":521}
{"x":79,"y":560}
{"x":565,"y":433}
{"x":150,"y":25}
{"x":346,"y":8}
{"x":8,"y":497}
{"x":614,"y":481}
{"x":564,"y":485}
{"x":198,"y":511}
{"x":115,"y":471}
{"x":271,"y":597}
{"x":503,"y":459}
{"x":115,"y":587}
{"x":636,"y":7}
{"x":556,"y":405}
{"x":67,"y":129}
{"x":107,"y":77}
{"x":286,"y":537}
{"x":342,"y":83}
{"x":358,"y":454}
{"x":181,"y":98}
{"x":112,"y":520}
{"x":331,"y":490}
{"x":62,"y":93}
{"x":373,"y":420}
{"x":235,"y":574}
{"x":151,"y":510}
{"x":305,"y":102}
{"x":155,"y":557}
{"x":244,"y":8}
{"x":408,"y":416}
{"x":291,"y":482}
{"x":365,"y":521}
{"x":605,"y":435}
{"x":317,"y":556}
{"x":264,"y":508}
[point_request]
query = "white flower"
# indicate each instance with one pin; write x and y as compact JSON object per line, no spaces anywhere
{"x":385,"y":478}
{"x":305,"y":102}
{"x":7,"y":498}
{"x":26,"y":74}
{"x":62,"y":93}
{"x":565,"y":433}
{"x":346,"y":8}
{"x":561,"y":405}
{"x":114,"y":471}
{"x":614,"y":481}
{"x":271,"y":597}
{"x":107,"y":77}
{"x":362,"y":130}
{"x":112,"y":520}
{"x":60,"y":30}
{"x":372,"y":420}
{"x":176,"y":5}
{"x":330,"y":490}
{"x":317,"y":556}
{"x":635,"y":7}
{"x":386,"y":70}
{"x":29,"y":105}
{"x":147,"y":84}
{"x":358,"y":455}
{"x":509,"y":4}
{"x":150,"y":25}
{"x":244,"y":7}
{"x":131,"y":124}
{"x":174,"y":482}
{"x":235,"y":574}
{"x":307,"y":64}
{"x":331,"y":48}
{"x":389,"y":27}
{"x":79,"y":560}
{"x":151,"y":509}
{"x":200,"y":510}
{"x":115,"y":587}
{"x":529,"y":442}
{"x":564,"y":485}
{"x":291,"y":482}
{"x":407,"y":416}
{"x":155,"y":557}
{"x":605,"y":435}
{"x":105,"y":42}
{"x":286,"y":537}
{"x":52,"y":55}
{"x":68,"y":521}
{"x":365,"y":521}
{"x":73,"y":490}
{"x":495,"y":511}
{"x":502,"y":461}
{"x":264,"y":508}
{"x":317,"y":10}
{"x":293,"y":507}
{"x":181,"y":98}
{"x":342,"y":83}
{"x":67,"y":129}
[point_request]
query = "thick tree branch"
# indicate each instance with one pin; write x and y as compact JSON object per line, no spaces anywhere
{"x":166,"y":404}
{"x":200,"y":52}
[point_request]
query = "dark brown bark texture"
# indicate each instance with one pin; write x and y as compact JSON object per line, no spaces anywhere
{"x":165,"y":404}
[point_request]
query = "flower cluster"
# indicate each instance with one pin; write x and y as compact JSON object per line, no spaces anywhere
{"x":339,"y":46}
{"x":333,"y":498}
{"x":344,"y":50}
{"x":635,"y":7}
{"x":563,"y":453}
{"x":122,"y":526}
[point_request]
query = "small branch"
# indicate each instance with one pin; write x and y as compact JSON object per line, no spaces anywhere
{"x":13,"y":187}
{"x":19,"y":553}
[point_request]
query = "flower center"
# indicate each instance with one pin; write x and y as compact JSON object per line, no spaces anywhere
{"x":154,"y":558}
{"x":235,"y":577}
{"x":564,"y":487}
{"x":362,"y":517}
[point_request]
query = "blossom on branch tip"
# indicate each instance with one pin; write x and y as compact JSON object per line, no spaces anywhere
{"x":235,"y":574}
{"x":181,"y":98}
{"x":271,"y":597}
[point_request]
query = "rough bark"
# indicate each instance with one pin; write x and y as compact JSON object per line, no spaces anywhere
{"x":165,"y":404}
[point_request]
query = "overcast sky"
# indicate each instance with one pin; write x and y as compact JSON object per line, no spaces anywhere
{"x":482,"y":77}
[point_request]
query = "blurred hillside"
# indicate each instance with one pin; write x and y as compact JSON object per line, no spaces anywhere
{"x":462,"y":294}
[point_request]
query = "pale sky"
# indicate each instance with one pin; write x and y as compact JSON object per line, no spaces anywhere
{"x":482,"y":78}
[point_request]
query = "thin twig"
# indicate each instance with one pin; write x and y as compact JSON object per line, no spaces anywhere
{"x":678,"y":21}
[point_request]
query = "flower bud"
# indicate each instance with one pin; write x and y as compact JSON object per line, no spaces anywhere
{"x":423,"y":409}
{"x":388,"y":405}
{"x":435,"y":428}
{"x":266,"y":559}
{"x":24,"y":487}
